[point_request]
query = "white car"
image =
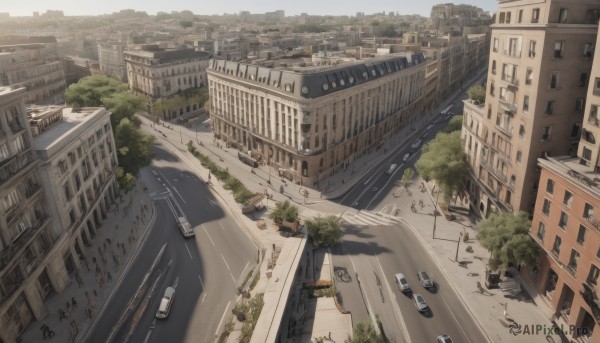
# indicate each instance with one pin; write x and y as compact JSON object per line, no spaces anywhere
{"x":165,"y":303}
{"x":420,"y":303}
{"x":402,"y":283}
{"x":443,"y":339}
{"x":405,"y":157}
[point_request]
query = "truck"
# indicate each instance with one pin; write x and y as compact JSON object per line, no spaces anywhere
{"x":185,"y":227}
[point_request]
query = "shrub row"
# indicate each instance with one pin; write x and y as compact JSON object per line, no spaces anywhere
{"x":241,"y":194}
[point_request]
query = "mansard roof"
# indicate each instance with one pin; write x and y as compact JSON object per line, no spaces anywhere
{"x":313,"y":82}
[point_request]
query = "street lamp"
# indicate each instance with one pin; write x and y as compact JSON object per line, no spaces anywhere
{"x":457,"y":245}
{"x":435,"y":212}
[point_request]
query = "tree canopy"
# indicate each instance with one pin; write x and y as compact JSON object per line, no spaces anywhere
{"x":408,"y":174}
{"x":90,"y":91}
{"x":284,"y":211}
{"x":364,"y":332}
{"x":506,"y":236}
{"x":133,"y":146}
{"x":387,"y":30}
{"x":477,"y":94}
{"x":324,"y":231}
{"x":444,"y":161}
{"x":455,"y":124}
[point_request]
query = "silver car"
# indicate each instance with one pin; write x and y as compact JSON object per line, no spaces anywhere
{"x":443,"y":339}
{"x":402,"y":283}
{"x":420,"y":303}
{"x":425,"y":280}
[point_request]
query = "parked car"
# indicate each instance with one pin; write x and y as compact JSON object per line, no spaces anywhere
{"x":165,"y":303}
{"x":443,"y":339}
{"x":402,"y":283}
{"x":420,"y":303}
{"x":406,"y":157}
{"x":425,"y":280}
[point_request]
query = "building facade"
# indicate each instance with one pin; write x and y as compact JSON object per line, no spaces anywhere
{"x":567,"y":228}
{"x":307,"y":122}
{"x":159,"y":74}
{"x":539,"y":67}
{"x":112,"y":59}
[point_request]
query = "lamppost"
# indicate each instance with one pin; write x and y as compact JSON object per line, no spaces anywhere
{"x":457,"y":245}
{"x":435,"y":212}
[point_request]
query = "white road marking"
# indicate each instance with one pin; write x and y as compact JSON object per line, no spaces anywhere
{"x":188,"y":249}
{"x":176,"y":191}
{"x":176,"y":282}
{"x":213,"y":243}
{"x":221,"y":226}
{"x":147,"y":336}
{"x":222,"y":317}
{"x":201,"y":283}
{"x":244,"y":270}
{"x":455,"y":319}
{"x":212,"y":203}
{"x":203,"y":298}
{"x":223,"y":257}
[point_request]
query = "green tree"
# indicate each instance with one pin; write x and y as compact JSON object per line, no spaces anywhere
{"x":133,"y":147}
{"x":455,"y":124}
{"x":123,"y":105}
{"x":506,"y":236}
{"x":387,"y":30}
{"x":324,"y":231}
{"x":364,"y":332}
{"x":90,"y":91}
{"x":284,"y":211}
{"x":477,"y":94}
{"x":444,"y":160}
{"x":186,"y":23}
{"x":408,"y":174}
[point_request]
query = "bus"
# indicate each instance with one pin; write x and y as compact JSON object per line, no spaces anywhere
{"x":247,"y":159}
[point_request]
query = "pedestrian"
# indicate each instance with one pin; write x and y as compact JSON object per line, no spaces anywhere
{"x":44,"y":329}
{"x":68,"y":306}
{"x":61,"y":314}
{"x":78,"y":278}
{"x":74,"y":302}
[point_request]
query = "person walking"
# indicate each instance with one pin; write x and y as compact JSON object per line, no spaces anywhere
{"x":74,"y":302}
{"x":61,"y":314}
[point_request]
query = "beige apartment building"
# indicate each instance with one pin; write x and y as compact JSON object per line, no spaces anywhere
{"x":58,"y":179}
{"x":540,"y":61}
{"x":112,"y":59}
{"x":158,"y":74}
{"x":307,"y":122}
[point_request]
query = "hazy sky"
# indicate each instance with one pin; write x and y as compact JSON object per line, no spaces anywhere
{"x":291,"y":7}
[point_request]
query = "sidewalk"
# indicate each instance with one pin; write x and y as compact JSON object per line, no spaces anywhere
{"x":115,"y":242}
{"x":487,"y":306}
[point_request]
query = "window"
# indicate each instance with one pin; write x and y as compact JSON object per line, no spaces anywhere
{"x":529,"y":76}
{"x":593,"y":118}
{"x":593,"y":275}
{"x":564,"y":220}
{"x":520,"y":16}
{"x":568,"y":198}
{"x":588,"y":211}
{"x":546,"y":133}
{"x":562,"y":15}
{"x":550,"y":186}
{"x":550,"y":107}
{"x":522,"y":131}
{"x":535,"y":15}
{"x":501,"y":18}
{"x":581,"y":234}
{"x":494,"y":67}
{"x":489,"y":114}
{"x":587,"y":154}
{"x":554,"y":80}
{"x":492,"y":88}
{"x":597,"y":84}
{"x":541,"y":231}
{"x":558,"y":49}
{"x":546,"y":207}
{"x":508,"y":17}
{"x":519,"y":156}
{"x":556,"y":246}
{"x":532,"y":44}
{"x":574,"y":260}
{"x":583,"y":78}
{"x":575,"y":130}
{"x":513,"y":47}
{"x":580,"y":104}
{"x":496,"y":43}
{"x":588,"y":50}
{"x":526,"y":103}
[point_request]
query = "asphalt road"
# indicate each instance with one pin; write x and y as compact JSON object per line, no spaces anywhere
{"x":205,"y":270}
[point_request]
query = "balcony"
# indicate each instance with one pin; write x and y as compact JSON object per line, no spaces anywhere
{"x":507,"y":106}
{"x":20,"y":241}
{"x":494,"y":172}
{"x":590,"y":297}
{"x":505,"y":129}
{"x":15,"y":165}
{"x":571,"y":269}
{"x":594,"y":121}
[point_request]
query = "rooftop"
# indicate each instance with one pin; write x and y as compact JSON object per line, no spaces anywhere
{"x":570,"y":168}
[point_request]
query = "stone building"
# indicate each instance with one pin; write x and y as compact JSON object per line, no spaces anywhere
{"x":55,"y":192}
{"x":28,"y":269}
{"x":36,"y":68}
{"x":112,"y":59}
{"x":158,"y":73}
{"x":540,"y":62}
{"x":307,"y":122}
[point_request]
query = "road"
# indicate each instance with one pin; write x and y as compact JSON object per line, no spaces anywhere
{"x":205,"y":269}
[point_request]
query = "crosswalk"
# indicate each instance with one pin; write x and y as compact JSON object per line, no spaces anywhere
{"x":368,"y":218}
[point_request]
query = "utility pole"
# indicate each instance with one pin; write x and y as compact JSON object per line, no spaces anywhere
{"x":435,"y":212}
{"x":457,"y":245}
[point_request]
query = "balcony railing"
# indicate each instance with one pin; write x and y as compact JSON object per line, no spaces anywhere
{"x":571,"y":269}
{"x":594,"y":121}
{"x":14,"y":165}
{"x":507,"y":130}
{"x":508,"y":106}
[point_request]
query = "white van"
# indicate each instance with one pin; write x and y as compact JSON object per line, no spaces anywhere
{"x":165,"y":303}
{"x":392,"y":168}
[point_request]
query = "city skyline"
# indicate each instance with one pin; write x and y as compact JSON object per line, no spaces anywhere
{"x":75,"y":8}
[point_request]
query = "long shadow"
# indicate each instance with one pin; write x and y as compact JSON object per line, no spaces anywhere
{"x":158,"y":153}
{"x":358,"y":231}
